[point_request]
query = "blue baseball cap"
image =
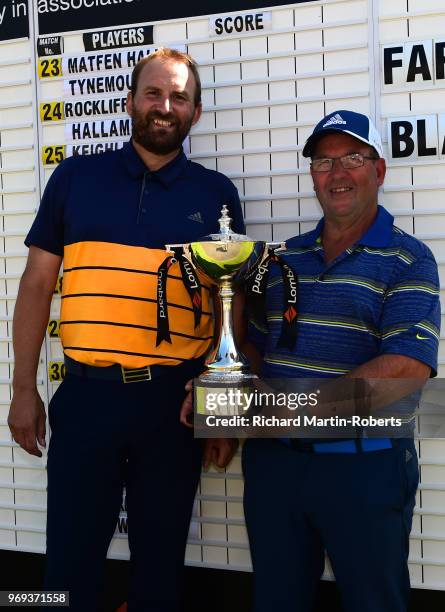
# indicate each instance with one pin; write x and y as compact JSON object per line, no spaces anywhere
{"x":357,"y":125}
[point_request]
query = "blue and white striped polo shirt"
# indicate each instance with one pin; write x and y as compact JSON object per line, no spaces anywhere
{"x":381,"y":296}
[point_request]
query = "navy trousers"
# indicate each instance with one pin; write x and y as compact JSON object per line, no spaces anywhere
{"x":357,"y":507}
{"x":107,"y":435}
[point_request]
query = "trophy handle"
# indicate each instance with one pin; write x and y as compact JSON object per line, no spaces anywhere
{"x":186,"y":252}
{"x":277,"y":247}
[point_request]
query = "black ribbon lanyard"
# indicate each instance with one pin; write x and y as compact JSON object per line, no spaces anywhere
{"x":163,"y":333}
{"x":255,"y":288}
{"x":288,"y":335}
{"x":192,"y":285}
{"x":256,"y":284}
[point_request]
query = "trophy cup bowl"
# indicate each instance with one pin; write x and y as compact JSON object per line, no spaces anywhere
{"x":221,"y":260}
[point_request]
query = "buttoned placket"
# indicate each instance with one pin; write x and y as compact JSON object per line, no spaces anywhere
{"x":334,"y":262}
{"x":145,"y":191}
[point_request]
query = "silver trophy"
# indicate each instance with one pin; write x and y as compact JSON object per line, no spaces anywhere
{"x":226,"y":259}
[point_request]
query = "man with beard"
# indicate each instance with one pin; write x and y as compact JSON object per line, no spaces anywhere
{"x":130,"y":314}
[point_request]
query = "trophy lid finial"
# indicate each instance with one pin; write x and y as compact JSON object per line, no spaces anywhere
{"x":225,"y":221}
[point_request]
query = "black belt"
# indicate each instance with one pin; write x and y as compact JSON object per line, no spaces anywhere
{"x":116,"y":372}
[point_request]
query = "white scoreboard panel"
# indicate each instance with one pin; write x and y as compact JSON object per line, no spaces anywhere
{"x":269,"y":74}
{"x":22,"y":478}
{"x":413,"y":106}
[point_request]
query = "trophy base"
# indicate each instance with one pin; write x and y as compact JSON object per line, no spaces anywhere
{"x":223,"y":377}
{"x":223,"y":394}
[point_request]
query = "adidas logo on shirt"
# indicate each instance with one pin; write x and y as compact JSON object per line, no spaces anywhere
{"x":196,"y":217}
{"x":335,"y":120}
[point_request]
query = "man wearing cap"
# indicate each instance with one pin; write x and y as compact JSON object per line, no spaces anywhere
{"x":367,"y":308}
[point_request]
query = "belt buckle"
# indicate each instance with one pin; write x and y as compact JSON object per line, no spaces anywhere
{"x":136,"y":374}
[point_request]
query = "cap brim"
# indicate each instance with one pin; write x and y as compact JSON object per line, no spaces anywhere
{"x":314,"y":138}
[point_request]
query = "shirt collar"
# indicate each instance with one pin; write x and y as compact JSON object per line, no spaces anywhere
{"x":308,"y":239}
{"x":165,"y":175}
{"x":377,"y":235}
{"x":380,"y":232}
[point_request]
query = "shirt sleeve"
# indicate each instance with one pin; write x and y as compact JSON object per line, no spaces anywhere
{"x":47,"y":230}
{"x":410,"y":323}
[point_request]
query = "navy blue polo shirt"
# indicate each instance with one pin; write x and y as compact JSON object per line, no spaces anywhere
{"x":124,"y":300}
{"x":381,"y":296}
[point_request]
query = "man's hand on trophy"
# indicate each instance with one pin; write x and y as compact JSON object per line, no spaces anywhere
{"x":186,"y":414}
{"x":219,"y":451}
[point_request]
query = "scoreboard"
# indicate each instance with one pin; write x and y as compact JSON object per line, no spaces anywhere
{"x":270,"y":71}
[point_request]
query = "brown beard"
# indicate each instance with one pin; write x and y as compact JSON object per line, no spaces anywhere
{"x":159,"y":141}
